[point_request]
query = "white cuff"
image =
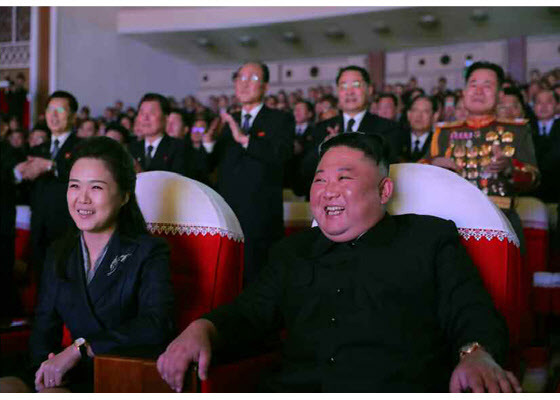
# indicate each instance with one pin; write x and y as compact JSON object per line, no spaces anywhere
{"x":209,"y":146}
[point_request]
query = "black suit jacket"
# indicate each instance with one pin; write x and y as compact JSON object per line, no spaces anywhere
{"x":170,"y":155}
{"x":407,"y":150}
{"x":129,"y":302}
{"x":250,"y":180}
{"x":547,"y":151}
{"x":356,"y":321}
{"x":50,"y":218}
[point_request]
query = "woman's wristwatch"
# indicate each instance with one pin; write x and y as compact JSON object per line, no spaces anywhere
{"x":81,"y":345}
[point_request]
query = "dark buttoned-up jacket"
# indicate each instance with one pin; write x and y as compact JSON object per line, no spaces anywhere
{"x":386,"y":312}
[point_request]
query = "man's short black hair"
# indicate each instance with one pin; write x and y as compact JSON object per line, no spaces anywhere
{"x":95,"y":123}
{"x":333,"y":101}
{"x":264,"y":69}
{"x":308,"y":105}
{"x":61,"y":94}
{"x":163,"y":102}
{"x":486,"y":65}
{"x":432,"y":99}
{"x":554,"y":94}
{"x":362,"y":71}
{"x":388,"y":95}
{"x":119,"y":128}
{"x":374,"y":147}
{"x":183,"y":115}
{"x":513,"y":91}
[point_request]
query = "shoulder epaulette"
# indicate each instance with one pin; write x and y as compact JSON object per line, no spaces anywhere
{"x":513,"y":121}
{"x":450,"y":124}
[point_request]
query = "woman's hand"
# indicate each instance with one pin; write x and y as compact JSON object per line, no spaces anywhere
{"x":52,"y":371}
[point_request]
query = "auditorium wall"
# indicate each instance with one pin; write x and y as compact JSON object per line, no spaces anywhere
{"x":99,"y":66}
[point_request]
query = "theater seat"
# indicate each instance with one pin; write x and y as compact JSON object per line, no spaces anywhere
{"x":485,"y":231}
{"x":205,"y":239}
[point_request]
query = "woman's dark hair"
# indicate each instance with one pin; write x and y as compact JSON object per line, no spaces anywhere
{"x":120,"y":164}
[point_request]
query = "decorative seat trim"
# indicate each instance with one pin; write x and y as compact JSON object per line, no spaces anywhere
{"x":489,"y":234}
{"x":183,"y":229}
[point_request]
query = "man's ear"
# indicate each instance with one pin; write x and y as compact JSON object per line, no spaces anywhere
{"x":370,"y":90}
{"x":385,"y":190}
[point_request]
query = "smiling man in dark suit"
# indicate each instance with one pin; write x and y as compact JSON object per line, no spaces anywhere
{"x":421,"y":115}
{"x":250,"y":155}
{"x":47,"y":166}
{"x":354,"y":88}
{"x":156,"y":151}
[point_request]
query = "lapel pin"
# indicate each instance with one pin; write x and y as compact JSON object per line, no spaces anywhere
{"x":115,"y":263}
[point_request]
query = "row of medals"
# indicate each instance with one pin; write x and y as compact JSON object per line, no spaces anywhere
{"x":473,"y":159}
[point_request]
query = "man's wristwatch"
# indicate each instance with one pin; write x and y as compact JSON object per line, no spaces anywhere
{"x":469,"y":348}
{"x":80,"y":344}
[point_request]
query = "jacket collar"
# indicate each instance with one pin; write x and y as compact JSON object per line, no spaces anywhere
{"x":379,"y":234}
{"x":115,"y":263}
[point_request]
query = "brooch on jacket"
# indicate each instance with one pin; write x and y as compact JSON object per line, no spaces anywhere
{"x":115,"y":263}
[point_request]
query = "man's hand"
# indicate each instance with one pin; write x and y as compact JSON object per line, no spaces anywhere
{"x":137,"y":167}
{"x":500,"y":162}
{"x":52,"y":371}
{"x":236,"y":132}
{"x":445,"y":162}
{"x":36,"y":166}
{"x":193,"y":345}
{"x":479,"y":372}
{"x":22,"y":168}
{"x":332,"y":131}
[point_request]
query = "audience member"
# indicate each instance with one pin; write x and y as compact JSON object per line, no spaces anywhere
{"x":156,"y":151}
{"x":354,"y":89}
{"x":511,"y":104}
{"x":496,"y":155}
{"x":421,"y":116}
{"x":177,"y":124}
{"x":547,"y":146}
{"x":107,"y":280}
{"x":39,"y":135}
{"x":87,"y":128}
{"x":48,"y":166}
{"x":352,"y":324}
{"x":387,"y":106}
{"x":117,"y":132}
{"x":251,"y":155}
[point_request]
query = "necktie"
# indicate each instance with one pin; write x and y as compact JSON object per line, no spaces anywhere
{"x":544,"y":132}
{"x":246,"y":125}
{"x":149,"y":156}
{"x":55,"y":149}
{"x":350,"y":125}
{"x":416,"y":151}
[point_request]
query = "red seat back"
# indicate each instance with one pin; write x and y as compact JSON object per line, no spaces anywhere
{"x":204,"y":236}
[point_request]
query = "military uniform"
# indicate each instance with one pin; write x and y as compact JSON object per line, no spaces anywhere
{"x":473,"y":144}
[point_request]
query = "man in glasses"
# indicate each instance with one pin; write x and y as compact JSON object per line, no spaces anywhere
{"x":250,"y":155}
{"x":353,"y":88}
{"x":48,"y":166}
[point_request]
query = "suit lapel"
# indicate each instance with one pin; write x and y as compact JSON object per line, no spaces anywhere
{"x":161,"y":155}
{"x":259,"y":118}
{"x":64,"y":153}
{"x":114,"y":265}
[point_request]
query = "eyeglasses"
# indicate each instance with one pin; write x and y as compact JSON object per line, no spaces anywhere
{"x":198,"y":129}
{"x":355,"y":85}
{"x":59,"y":109}
{"x":245,"y":78}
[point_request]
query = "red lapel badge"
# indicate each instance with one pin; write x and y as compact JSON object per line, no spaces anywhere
{"x":260,"y":134}
{"x":67,"y":155}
